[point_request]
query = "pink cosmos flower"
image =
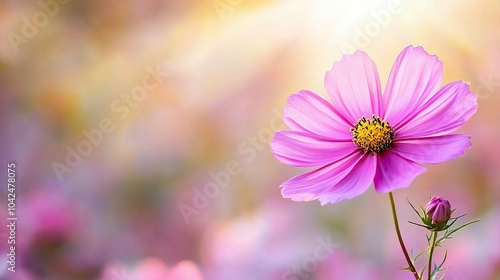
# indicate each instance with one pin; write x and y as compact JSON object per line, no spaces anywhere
{"x":364,"y":135}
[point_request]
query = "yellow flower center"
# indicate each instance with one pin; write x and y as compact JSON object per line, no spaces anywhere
{"x":373,"y":135}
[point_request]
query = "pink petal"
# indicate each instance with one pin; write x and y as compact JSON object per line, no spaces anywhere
{"x":311,"y":185}
{"x":355,"y":183}
{"x":353,"y":85}
{"x":433,"y":150}
{"x":395,"y":172}
{"x":302,"y":149}
{"x":308,"y":112}
{"x":415,"y":77}
{"x":449,"y":109}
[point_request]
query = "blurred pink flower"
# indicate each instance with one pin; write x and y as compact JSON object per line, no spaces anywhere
{"x":263,"y":243}
{"x":48,"y":218}
{"x":154,"y":269}
{"x":410,"y":124}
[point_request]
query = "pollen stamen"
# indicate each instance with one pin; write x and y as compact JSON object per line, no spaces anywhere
{"x":374,"y":135}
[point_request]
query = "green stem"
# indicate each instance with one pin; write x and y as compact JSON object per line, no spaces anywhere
{"x":398,"y":232}
{"x":433,"y":245}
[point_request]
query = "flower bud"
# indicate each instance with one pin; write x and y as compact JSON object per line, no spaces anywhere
{"x":437,"y":213}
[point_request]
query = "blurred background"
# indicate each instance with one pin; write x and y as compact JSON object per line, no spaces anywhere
{"x":140,"y":132}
